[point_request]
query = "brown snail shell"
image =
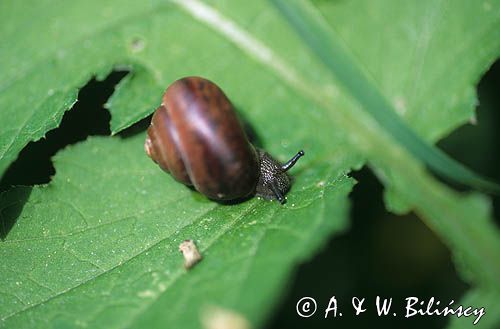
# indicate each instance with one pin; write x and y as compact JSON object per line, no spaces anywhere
{"x":196,"y":136}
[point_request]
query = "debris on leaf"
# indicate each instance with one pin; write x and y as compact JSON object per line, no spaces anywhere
{"x":191,"y":254}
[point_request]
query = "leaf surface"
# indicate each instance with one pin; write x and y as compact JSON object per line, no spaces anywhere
{"x":98,"y":245}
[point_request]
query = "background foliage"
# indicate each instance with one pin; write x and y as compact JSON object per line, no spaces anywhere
{"x":97,"y":245}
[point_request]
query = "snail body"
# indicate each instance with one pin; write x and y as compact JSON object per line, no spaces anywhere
{"x":195,"y":135}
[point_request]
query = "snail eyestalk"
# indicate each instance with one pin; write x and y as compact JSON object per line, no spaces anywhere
{"x":290,"y":163}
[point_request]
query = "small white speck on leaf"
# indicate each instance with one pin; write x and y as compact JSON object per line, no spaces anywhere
{"x":146,"y":294}
{"x":61,"y":53}
{"x":473,"y":120}
{"x":400,"y":105}
{"x":137,"y":44}
{"x":219,"y":318}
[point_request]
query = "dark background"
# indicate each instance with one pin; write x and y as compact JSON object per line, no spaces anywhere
{"x":381,"y":254}
{"x":394,"y":256}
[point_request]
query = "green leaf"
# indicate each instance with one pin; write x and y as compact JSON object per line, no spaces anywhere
{"x":328,"y":48}
{"x":98,"y":245}
{"x":483,"y":298}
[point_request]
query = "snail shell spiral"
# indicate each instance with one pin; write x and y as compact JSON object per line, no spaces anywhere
{"x":196,"y":136}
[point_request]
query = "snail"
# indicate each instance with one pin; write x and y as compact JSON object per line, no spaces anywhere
{"x":196,"y":136}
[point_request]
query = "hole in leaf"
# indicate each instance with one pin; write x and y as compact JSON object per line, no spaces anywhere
{"x":11,"y":207}
{"x":382,"y":254}
{"x":477,"y":145}
{"x":34,"y":163}
{"x":87,"y":117}
{"x":137,"y":128}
